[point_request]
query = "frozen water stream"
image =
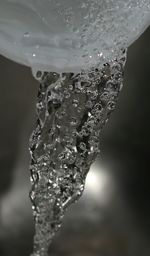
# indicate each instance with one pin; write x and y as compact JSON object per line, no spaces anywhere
{"x":68,"y":36}
{"x":71,"y":112}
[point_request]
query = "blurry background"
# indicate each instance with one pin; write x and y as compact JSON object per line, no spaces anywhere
{"x":113,"y":216}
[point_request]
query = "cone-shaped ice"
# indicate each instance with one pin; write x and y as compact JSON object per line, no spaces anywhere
{"x":67,"y":35}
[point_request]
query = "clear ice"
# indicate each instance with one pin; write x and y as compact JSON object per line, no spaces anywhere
{"x":71,"y":112}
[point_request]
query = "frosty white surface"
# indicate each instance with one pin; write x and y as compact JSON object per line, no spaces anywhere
{"x":67,"y":35}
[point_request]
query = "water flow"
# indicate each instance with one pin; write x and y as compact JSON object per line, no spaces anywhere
{"x":71,"y":112}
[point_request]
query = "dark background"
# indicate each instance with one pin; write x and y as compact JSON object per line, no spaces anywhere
{"x":113,"y":217}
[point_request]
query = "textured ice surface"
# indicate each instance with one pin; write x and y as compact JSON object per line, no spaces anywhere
{"x":71,"y":112}
{"x":67,"y":35}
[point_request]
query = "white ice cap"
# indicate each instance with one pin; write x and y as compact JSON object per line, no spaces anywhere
{"x":67,"y":35}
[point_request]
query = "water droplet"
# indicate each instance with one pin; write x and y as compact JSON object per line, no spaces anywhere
{"x":39,"y":105}
{"x":70,"y":87}
{"x":39,"y":75}
{"x":75,"y":103}
{"x":111,"y":105}
{"x":83,"y":146}
{"x":73,"y":121}
{"x":66,"y":94}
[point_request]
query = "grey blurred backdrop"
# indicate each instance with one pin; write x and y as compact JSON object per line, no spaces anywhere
{"x":113,"y":217}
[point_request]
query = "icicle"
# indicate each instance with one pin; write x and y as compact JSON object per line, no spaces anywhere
{"x":71,"y":112}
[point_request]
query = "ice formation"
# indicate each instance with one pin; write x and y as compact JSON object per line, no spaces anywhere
{"x":71,"y":112}
{"x":80,"y":44}
{"x":68,"y":35}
